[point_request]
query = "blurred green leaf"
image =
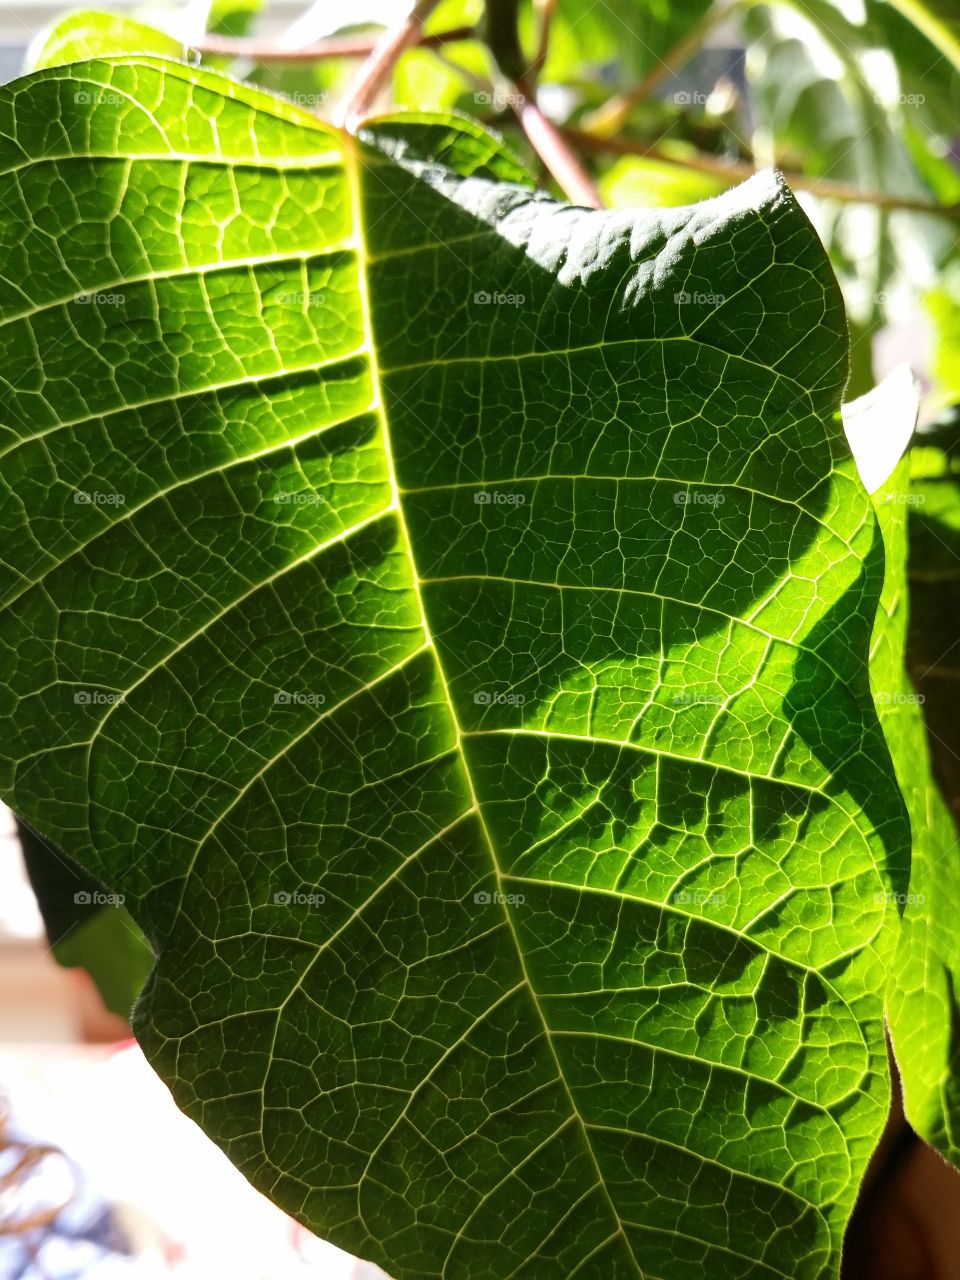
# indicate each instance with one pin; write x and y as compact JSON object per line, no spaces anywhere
{"x":90,"y":33}
{"x":943,"y":308}
{"x":640,"y":182}
{"x":923,"y":1012}
{"x":921,"y":719}
{"x":232,"y":17}
{"x":457,"y":78}
{"x":830,"y":100}
{"x":627,"y":38}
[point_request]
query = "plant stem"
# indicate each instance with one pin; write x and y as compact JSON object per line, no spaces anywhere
{"x":503,"y":40}
{"x":738,"y":171}
{"x":611,"y":117}
{"x":553,"y":149}
{"x":502,"y":36}
{"x":333,"y":47}
{"x":376,"y":70}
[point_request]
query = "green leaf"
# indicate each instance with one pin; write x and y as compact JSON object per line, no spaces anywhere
{"x":943,"y":310}
{"x":861,"y":102}
{"x":114,"y":953}
{"x":444,"y":615}
{"x":623,"y":38}
{"x":232,"y":17}
{"x":458,"y":78}
{"x":86,"y":927}
{"x":923,"y":1006}
{"x":638,"y":182}
{"x":89,"y":33}
{"x":934,"y":588}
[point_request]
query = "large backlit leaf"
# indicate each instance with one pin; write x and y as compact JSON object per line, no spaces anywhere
{"x":444,"y":615}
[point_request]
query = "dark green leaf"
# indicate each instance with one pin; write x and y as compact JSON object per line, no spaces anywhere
{"x":444,"y":615}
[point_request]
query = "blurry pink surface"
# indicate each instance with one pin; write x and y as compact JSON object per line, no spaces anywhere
{"x":182,"y":1207}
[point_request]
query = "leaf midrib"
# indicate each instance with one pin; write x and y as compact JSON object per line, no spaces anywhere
{"x":352,"y":172}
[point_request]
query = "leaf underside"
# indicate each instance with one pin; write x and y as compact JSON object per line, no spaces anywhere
{"x":920,"y":514}
{"x":459,"y":662}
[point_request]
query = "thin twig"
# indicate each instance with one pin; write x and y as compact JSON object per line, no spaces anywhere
{"x":333,"y":47}
{"x":611,"y":117}
{"x":737,"y":171}
{"x":553,"y":149}
{"x":376,"y":70}
{"x":503,"y":40}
